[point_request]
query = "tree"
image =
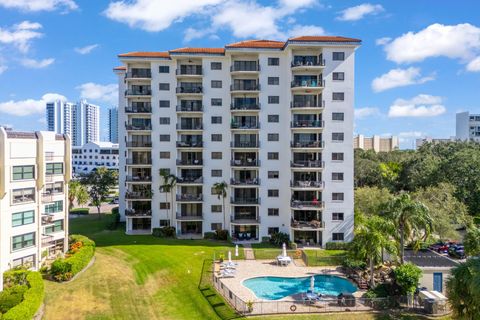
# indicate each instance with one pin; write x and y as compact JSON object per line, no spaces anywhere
{"x":73,"y":187}
{"x":407,"y":277}
{"x":411,"y":217}
{"x":371,"y":238}
{"x":471,"y":241}
{"x":82,"y":196}
{"x":221,"y":189}
{"x":169,"y":183}
{"x":371,"y":200}
{"x":463,"y":290}
{"x":99,"y":183}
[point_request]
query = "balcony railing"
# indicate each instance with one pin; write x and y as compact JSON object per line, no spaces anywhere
{"x":145,"y":109}
{"x":189,"y":162}
{"x":138,"y":178}
{"x":244,"y":87}
{"x":46,"y":219}
{"x":190,"y":108}
{"x":190,"y":180}
{"x":299,"y":204}
{"x":197,"y":89}
{"x":241,"y":200}
{"x":306,"y":184}
{"x":306,"y":144}
{"x":307,"y":104}
{"x":138,"y":195}
{"x":255,"y":106}
{"x":189,"y":144}
{"x":189,"y":197}
{"x":138,"y":126}
{"x":237,"y":125}
{"x":307,"y":124}
{"x":245,"y":163}
{"x":145,"y":73}
{"x":138,"y":212}
{"x":245,"y":144}
{"x":188,"y":126}
{"x":197,"y":71}
{"x":132,"y":92}
{"x":245,"y":182}
{"x":308,"y":83}
{"x":312,"y":224}
{"x":316,"y":63}
{"x":139,"y":144}
{"x":306,"y":164}
{"x":245,"y":219}
{"x":189,"y":216}
{"x":139,"y":161}
{"x":249,"y":68}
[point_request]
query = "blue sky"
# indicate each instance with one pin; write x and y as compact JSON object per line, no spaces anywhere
{"x":418,"y":65}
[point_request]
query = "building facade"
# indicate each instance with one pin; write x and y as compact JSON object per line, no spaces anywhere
{"x":420,"y":142}
{"x":467,"y":126}
{"x":93,"y":155}
{"x":34,"y":172}
{"x":80,"y":120}
{"x":375,"y":143}
{"x":272,"y":119}
{"x":113,"y":125}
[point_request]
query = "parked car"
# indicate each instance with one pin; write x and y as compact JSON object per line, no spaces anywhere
{"x":441,"y":247}
{"x":115,"y":201}
{"x":457,"y":251}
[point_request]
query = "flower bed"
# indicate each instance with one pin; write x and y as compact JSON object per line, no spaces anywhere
{"x":23,"y":293}
{"x":80,"y":253}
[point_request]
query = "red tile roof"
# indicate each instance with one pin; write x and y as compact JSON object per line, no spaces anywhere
{"x":199,"y":50}
{"x":120,"y":68}
{"x":140,"y":54}
{"x":324,"y":39}
{"x":257,"y":44}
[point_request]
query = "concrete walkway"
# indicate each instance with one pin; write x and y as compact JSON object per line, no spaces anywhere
{"x":248,"y":251}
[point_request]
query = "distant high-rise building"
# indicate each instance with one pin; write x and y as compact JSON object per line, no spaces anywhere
{"x":113,"y":125}
{"x":80,"y":121}
{"x":375,"y":143}
{"x":467,"y":126}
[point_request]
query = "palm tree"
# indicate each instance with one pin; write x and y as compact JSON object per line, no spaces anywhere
{"x":371,"y":238}
{"x":169,"y":182}
{"x":78,"y":192}
{"x":463,"y":290}
{"x":412,"y":219}
{"x":221,"y":191}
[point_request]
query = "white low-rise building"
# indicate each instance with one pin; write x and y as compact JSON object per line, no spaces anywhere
{"x":375,"y":143}
{"x":35,"y":169}
{"x":93,"y":155}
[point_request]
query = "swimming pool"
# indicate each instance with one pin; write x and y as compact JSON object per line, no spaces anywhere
{"x":275,"y":288}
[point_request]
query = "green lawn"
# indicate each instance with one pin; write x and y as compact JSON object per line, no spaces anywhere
{"x":325,"y":257}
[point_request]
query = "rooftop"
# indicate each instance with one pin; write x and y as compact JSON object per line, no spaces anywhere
{"x":428,"y":258}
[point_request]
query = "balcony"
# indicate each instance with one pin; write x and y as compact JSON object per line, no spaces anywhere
{"x":138,"y":213}
{"x":244,"y":126}
{"x":244,"y":200}
{"x":189,"y":90}
{"x":245,"y":144}
{"x":243,"y":87}
{"x":245,"y":182}
{"x":189,"y":216}
{"x":302,"y":204}
{"x":245,"y":107}
{"x":143,"y":109}
{"x":306,"y":144}
{"x":138,"y":178}
{"x":190,"y":126}
{"x":307,"y":124}
{"x":245,"y":219}
{"x":189,"y":162}
{"x":139,"y":74}
{"x":139,"y":144}
{"x":132,"y":92}
{"x":190,"y":180}
{"x":138,"y":127}
{"x":307,"y":104}
{"x":306,"y":164}
{"x":48,"y":196}
{"x":249,"y":68}
{"x":306,"y":184}
{"x":190,"y":70}
{"x":135,"y":161}
{"x":190,"y":108}
{"x":307,"y":225}
{"x":189,"y":197}
{"x":189,"y":144}
{"x":306,"y":63}
{"x":46,"y":220}
{"x":307,"y":84}
{"x":245,"y":163}
{"x":138,"y":195}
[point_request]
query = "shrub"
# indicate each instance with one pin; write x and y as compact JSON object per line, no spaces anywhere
{"x":266,"y":239}
{"x":164,"y":232}
{"x":10,"y":297}
{"x":336,"y":246}
{"x":221,"y":235}
{"x":79,"y":211}
{"x":32,"y":295}
{"x":278,"y":238}
{"x":209,"y":235}
{"x":113,"y":220}
{"x":407,"y":276}
{"x":354,"y":264}
{"x":293,"y":245}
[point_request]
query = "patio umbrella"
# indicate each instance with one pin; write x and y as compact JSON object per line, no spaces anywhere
{"x":312,"y":283}
{"x":236,"y":250}
{"x":284,"y":251}
{"x":229,"y":256}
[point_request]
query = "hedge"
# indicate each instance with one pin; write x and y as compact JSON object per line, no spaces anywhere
{"x":80,"y":211}
{"x":164,"y":232}
{"x":78,"y":257}
{"x":32,"y":298}
{"x":336,"y":245}
{"x":113,"y":220}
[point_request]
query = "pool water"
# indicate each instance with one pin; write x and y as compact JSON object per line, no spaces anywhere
{"x":275,"y":288}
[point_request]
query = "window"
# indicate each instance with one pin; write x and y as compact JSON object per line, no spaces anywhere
{"x":164,"y":137}
{"x":23,"y":172}
{"x":164,"y":69}
{"x":273,"y":61}
{"x":215,"y":66}
{"x":273,"y":118}
{"x":23,"y":195}
{"x":337,"y":176}
{"x":25,"y":262}
{"x":164,"y":86}
{"x":338,"y":116}
{"x":273,"y":137}
{"x":216,"y":226}
{"x":337,"y":236}
{"x":216,"y":173}
{"x":55,"y":227}
{"x":216,"y":84}
{"x":164,"y":120}
{"x":216,"y":137}
{"x":273,"y":211}
{"x":23,"y":218}
{"x":164,"y":205}
{"x":273,"y":193}
{"x":274,"y":81}
{"x":338,"y":96}
{"x":338,"y":56}
{"x":337,"y":136}
{"x":164,"y":223}
{"x":217,"y":102}
{"x":216,"y":120}
{"x":272,"y":156}
{"x":337,"y":216}
{"x":164,"y":103}
{"x":54,"y":168}
{"x":273,"y":99}
{"x":216,"y":208}
{"x":273,"y":174}
{"x":216,"y":155}
{"x":337,"y":196}
{"x":337,"y":156}
{"x":23,"y":241}
{"x":54,"y":207}
{"x":272,"y":230}
{"x":164,"y":155}
{"x":338,"y":76}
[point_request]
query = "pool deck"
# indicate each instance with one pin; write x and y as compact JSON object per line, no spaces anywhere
{"x":257,"y":268}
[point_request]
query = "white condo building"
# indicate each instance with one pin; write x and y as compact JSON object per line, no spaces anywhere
{"x":93,"y":155}
{"x":34,"y":172}
{"x":375,"y":143}
{"x":467,"y":126}
{"x":113,"y":125}
{"x":272,"y":119}
{"x":80,"y":120}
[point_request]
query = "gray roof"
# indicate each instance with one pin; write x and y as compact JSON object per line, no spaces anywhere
{"x":428,"y":258}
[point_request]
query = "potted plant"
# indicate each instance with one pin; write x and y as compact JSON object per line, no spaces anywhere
{"x":221,"y":257}
{"x":249,"y":305}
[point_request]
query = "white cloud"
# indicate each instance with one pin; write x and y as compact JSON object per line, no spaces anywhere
{"x":360,"y":11}
{"x":408,"y":136}
{"x":30,"y":106}
{"x":86,"y":49}
{"x":382,"y":41}
{"x":310,"y":30}
{"x":3,"y":68}
{"x":423,"y":105}
{"x":39,"y":5}
{"x":20,"y":35}
{"x":474,"y":65}
{"x":461,"y":41}
{"x":361,"y":113}
{"x":104,"y":93}
{"x":37,"y":64}
{"x":42,"y":120}
{"x":399,"y":78}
